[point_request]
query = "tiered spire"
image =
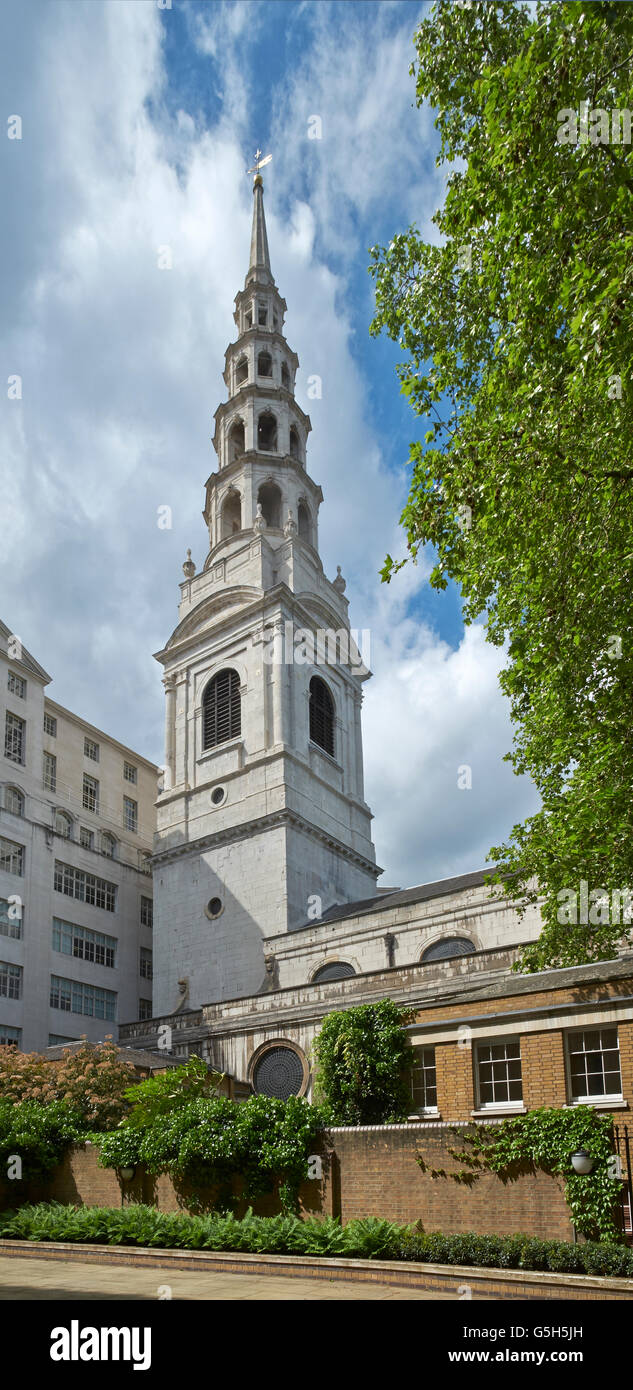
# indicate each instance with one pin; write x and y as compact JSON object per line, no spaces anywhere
{"x":259,"y":268}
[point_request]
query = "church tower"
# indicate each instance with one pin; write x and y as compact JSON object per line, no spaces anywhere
{"x":262,"y":823}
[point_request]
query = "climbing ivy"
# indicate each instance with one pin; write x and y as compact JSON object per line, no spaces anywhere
{"x":363,"y":1057}
{"x":211,"y":1141}
{"x":547,"y":1138}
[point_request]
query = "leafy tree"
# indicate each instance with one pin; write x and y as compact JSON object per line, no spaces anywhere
{"x":92,"y":1080}
{"x":516,"y":330}
{"x":166,"y":1093}
{"x":363,"y":1058}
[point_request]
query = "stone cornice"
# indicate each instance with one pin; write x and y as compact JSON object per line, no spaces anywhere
{"x":284,"y":818}
{"x":273,"y":391}
{"x":265,"y":335}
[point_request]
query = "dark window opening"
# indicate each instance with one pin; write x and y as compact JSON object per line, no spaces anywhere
{"x":303,"y":517}
{"x":267,"y":432}
{"x":295,"y":447}
{"x":448,"y":948}
{"x":221,"y":709}
{"x":321,"y":715}
{"x":231,"y":515}
{"x":270,"y":497}
{"x":336,"y":970}
{"x":264,"y":364}
{"x":237,"y":442}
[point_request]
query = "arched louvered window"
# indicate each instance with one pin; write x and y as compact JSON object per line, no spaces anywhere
{"x":335,"y":970}
{"x":447,"y":948}
{"x":321,"y":715}
{"x":221,"y":713}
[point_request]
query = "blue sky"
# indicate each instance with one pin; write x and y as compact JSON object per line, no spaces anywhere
{"x":138,"y":124}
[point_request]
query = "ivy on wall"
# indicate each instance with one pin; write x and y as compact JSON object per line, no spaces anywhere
{"x":546,"y":1138}
{"x":363,"y":1058}
{"x":176,"y":1127}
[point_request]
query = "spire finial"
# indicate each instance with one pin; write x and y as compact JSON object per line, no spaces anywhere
{"x":259,"y":164}
{"x":259,"y":267}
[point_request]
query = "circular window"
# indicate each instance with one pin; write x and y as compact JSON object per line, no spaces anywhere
{"x":214,"y":907}
{"x":336,"y":970}
{"x":279,"y":1072}
{"x":446,"y":949}
{"x":217,"y":795}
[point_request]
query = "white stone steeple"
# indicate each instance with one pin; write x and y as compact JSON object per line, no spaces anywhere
{"x":262,"y":824}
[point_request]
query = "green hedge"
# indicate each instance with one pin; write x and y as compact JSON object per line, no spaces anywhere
{"x":288,"y":1235}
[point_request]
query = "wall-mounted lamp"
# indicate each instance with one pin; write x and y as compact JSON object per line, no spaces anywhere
{"x":582,"y":1162}
{"x":127,"y":1174}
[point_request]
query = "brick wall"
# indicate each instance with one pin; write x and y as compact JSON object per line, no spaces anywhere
{"x":374,"y":1172}
{"x":366,"y":1172}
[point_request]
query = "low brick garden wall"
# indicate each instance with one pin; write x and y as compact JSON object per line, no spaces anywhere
{"x":366,"y":1172}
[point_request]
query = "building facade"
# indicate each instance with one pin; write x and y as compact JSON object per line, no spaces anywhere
{"x":76,"y":828}
{"x":262,"y":819}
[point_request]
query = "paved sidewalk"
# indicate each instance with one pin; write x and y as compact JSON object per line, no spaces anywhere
{"x":31,"y":1278}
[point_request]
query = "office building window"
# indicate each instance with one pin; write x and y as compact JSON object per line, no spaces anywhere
{"x":14,"y":738}
{"x":91,"y":750}
{"x":64,"y":825}
{"x":90,"y":797}
{"x":86,"y":888}
{"x":17,"y":685}
{"x":11,"y":857}
{"x":58,"y":1039}
{"x":145,"y":964}
{"x":11,"y":918}
{"x":50,"y":725}
{"x":73,"y":997}
{"x":49,"y":771}
{"x":129,"y":772}
{"x":10,"y":980}
{"x":84,"y":944}
{"x":14,"y":801}
{"x":147,"y":912}
{"x":86,"y":838}
{"x":144,"y":1008}
{"x":10,"y":1037}
{"x":130,"y":814}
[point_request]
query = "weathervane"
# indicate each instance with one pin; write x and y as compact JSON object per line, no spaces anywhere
{"x":259,"y":164}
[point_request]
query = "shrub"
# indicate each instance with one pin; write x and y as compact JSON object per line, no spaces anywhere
{"x":286,"y":1234}
{"x":363,"y":1056}
{"x":212,"y":1141}
{"x":37,"y":1134}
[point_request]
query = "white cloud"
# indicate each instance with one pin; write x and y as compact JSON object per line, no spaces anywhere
{"x":121,"y":366}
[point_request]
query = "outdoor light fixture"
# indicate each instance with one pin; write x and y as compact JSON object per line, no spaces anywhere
{"x":582,"y":1161}
{"x":127,"y":1174}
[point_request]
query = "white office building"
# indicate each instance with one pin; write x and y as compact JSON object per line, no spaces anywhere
{"x":77,"y":821}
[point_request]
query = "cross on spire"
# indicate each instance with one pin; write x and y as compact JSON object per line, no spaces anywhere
{"x":259,"y":163}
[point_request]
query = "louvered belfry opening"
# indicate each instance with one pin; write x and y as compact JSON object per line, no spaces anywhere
{"x":321,"y":715}
{"x":221,"y":709}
